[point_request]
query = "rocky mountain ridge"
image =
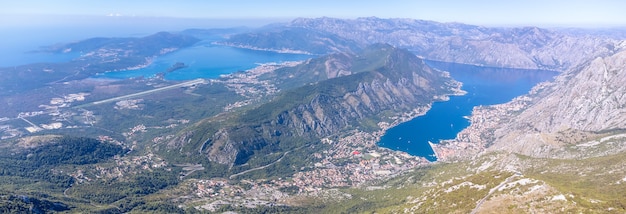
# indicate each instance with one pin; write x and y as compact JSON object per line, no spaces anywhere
{"x":583,"y":104}
{"x":306,"y":134}
{"x":526,"y":47}
{"x":303,"y":115}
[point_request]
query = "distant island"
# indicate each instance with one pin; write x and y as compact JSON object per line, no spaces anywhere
{"x":307,"y":136}
{"x":176,"y":66}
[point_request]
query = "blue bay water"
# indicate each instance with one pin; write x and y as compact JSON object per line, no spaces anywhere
{"x":205,"y":60}
{"x":485,"y":86}
{"x":21,"y":45}
{"x":23,"y":35}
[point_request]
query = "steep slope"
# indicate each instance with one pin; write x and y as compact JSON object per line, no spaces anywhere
{"x":582,"y":110}
{"x":487,"y":185}
{"x":590,"y":100}
{"x":559,"y":149}
{"x":300,"y":116}
{"x":311,"y":71}
{"x":330,"y":66}
{"x":527,"y":47}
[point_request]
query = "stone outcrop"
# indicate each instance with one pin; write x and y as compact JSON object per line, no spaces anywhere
{"x":525,"y":47}
{"x":581,"y":103}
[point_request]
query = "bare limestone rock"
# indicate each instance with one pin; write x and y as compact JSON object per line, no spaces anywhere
{"x":582,"y":104}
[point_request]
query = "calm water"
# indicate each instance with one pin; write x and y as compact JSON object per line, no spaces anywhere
{"x":20,"y":44}
{"x":485,"y":86}
{"x":21,"y":35}
{"x":205,"y":60}
{"x":19,"y":47}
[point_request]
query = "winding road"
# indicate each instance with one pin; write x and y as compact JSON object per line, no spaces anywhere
{"x":491,"y":191}
{"x":260,"y":167}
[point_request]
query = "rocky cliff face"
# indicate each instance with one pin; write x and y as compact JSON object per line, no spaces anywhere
{"x":353,"y":100}
{"x":528,"y":47}
{"x":311,"y":71}
{"x":592,"y":99}
{"x":582,"y":104}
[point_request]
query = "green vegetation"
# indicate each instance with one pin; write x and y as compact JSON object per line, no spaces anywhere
{"x":39,"y":163}
{"x":259,"y":135}
{"x":275,"y":136}
{"x":266,"y":209}
{"x":38,"y":182}
{"x":34,"y":178}
{"x":39,"y":74}
{"x":312,"y":41}
{"x":438,"y":188}
{"x":12,"y":203}
{"x":595,"y":183}
{"x":111,"y":191}
{"x":144,"y":46}
{"x":330,"y":89}
{"x":70,"y":150}
{"x":288,"y":165}
{"x":372,"y":58}
{"x":160,"y":110}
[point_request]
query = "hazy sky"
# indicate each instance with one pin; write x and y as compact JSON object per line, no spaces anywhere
{"x":484,"y":12}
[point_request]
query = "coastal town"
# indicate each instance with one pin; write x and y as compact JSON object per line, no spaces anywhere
{"x":351,"y":160}
{"x":472,"y":139}
{"x":248,"y":84}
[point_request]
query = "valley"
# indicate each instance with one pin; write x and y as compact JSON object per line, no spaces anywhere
{"x":302,"y":133}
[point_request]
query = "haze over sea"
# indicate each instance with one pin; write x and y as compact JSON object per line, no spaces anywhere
{"x":205,"y":60}
{"x":485,"y":86}
{"x":19,"y":42}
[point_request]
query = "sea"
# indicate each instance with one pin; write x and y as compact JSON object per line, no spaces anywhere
{"x":206,"y":60}
{"x":485,"y":86}
{"x":21,"y":43}
{"x":23,"y":37}
{"x":202,"y":60}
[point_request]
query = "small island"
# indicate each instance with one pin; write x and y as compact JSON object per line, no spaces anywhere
{"x":176,"y":66}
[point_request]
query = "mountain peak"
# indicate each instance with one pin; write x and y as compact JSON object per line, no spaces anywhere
{"x":376,"y":80}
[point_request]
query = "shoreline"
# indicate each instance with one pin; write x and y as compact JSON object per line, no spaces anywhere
{"x":417,"y":112}
{"x":249,"y":47}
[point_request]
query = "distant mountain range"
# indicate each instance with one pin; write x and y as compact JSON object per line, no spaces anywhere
{"x":293,"y":40}
{"x":581,"y":104}
{"x":301,"y":137}
{"x":572,"y":127}
{"x":321,"y":98}
{"x":527,"y":47}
